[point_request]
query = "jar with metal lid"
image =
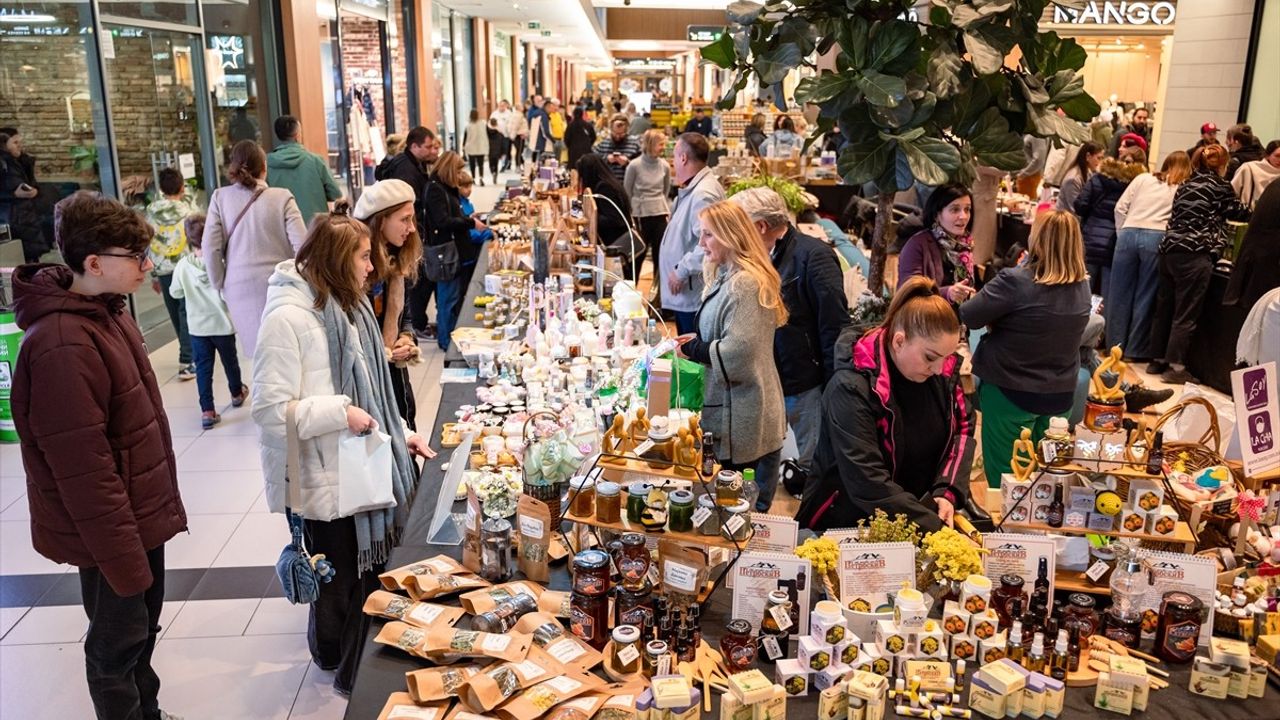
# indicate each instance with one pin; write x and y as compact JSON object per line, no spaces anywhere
{"x":773,"y":639}
{"x":637,"y":500}
{"x":1080,"y":614}
{"x":626,"y":649}
{"x":1181,"y":615}
{"x":1010,"y":588}
{"x":634,"y":563}
{"x":589,"y":618}
{"x":737,"y":646}
{"x":1056,"y":447}
{"x":505,"y":614}
{"x":635,"y":607}
{"x":1101,"y":577}
{"x":728,"y":487}
{"x":608,"y":502}
{"x":591,"y":572}
{"x":737,"y":523}
{"x":680,"y":511}
{"x":710,"y":525}
{"x":654,"y":651}
{"x":583,"y":491}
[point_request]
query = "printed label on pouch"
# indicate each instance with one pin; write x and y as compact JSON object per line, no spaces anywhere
{"x":681,"y":577}
{"x":426,"y":614}
{"x":781,"y":616}
{"x":771,"y":647}
{"x":531,"y":527}
{"x":628,"y":654}
{"x":410,"y":712}
{"x":563,"y":685}
{"x":529,"y":670}
{"x":495,"y":643}
{"x":565,"y":650}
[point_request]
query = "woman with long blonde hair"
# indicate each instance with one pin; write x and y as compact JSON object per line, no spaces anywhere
{"x":743,"y":405}
{"x":1029,"y":360}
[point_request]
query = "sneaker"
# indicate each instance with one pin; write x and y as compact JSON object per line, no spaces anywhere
{"x":209,"y":419}
{"x":188,"y":372}
{"x":1156,"y":367}
{"x":238,"y":399}
{"x":1178,"y":377}
{"x":1139,"y":398}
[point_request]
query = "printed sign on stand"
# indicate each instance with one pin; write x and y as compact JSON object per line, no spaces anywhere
{"x":1257,"y":417}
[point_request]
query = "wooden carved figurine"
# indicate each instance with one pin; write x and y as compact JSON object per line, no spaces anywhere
{"x":639,"y":429}
{"x":1099,"y":388}
{"x":1023,"y":461}
{"x":615,"y":442}
{"x":684,"y":454}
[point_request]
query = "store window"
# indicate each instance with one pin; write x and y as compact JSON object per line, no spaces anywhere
{"x":240,"y":63}
{"x":442,"y":68}
{"x":502,"y":64}
{"x":463,"y":76}
{"x":182,"y":12}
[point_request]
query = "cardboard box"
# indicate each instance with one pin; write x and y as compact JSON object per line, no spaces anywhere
{"x":1075,"y":519}
{"x":1004,"y":676}
{"x":1228,"y":651}
{"x":1209,"y":678}
{"x":1055,"y":696}
{"x":1257,"y":679}
{"x":750,"y":686}
{"x":985,"y":700}
{"x":891,"y":639}
{"x":1164,"y":521}
{"x":1117,"y":698}
{"x":831,"y":633}
{"x":659,"y":391}
{"x":1145,"y":495}
{"x":1132,"y":672}
{"x":984,"y":625}
{"x":1033,"y":697}
{"x":1081,"y":499}
{"x":775,"y":708}
{"x":1012,"y":490}
{"x":933,"y":673}
{"x":875,"y":660}
{"x":1099,"y":521}
{"x":1134,"y":520}
{"x":830,"y":676}
{"x":1268,"y":648}
{"x":792,"y":676}
{"x":1088,"y":444}
{"x":993,"y":648}
{"x":814,"y":654}
{"x":867,"y":686}
{"x":846,"y":651}
{"x":1018,"y":514}
{"x":833,"y":703}
{"x":930,"y":642}
{"x":731,"y":708}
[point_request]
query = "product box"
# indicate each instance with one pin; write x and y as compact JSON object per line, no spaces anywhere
{"x":831,"y":633}
{"x":693,"y":711}
{"x":1111,"y":454}
{"x":1040,"y":511}
{"x":847,"y":650}
{"x":1075,"y":519}
{"x":1164,"y":521}
{"x":1004,"y":676}
{"x":830,"y":676}
{"x":1227,"y":651}
{"x":984,"y":625}
{"x":731,"y":708}
{"x":933,"y":674}
{"x":1145,"y":495}
{"x":1012,"y":490}
{"x":1055,"y":696}
{"x":1132,"y":672}
{"x":1115,"y":697}
{"x":1088,"y":445}
{"x":1134,"y":520}
{"x":1018,"y":514}
{"x":1099,"y":521}
{"x":1257,"y":679}
{"x":1238,"y":684}
{"x":833,"y":703}
{"x":890,"y":638}
{"x":775,"y":708}
{"x":1268,"y":648}
{"x":671,"y":691}
{"x":930,"y":642}
{"x":993,"y":648}
{"x":1081,"y":499}
{"x":963,"y":647}
{"x":985,"y":700}
{"x":867,"y":686}
{"x":814,"y":654}
{"x":875,"y":660}
{"x":792,"y":676}
{"x":1209,"y":678}
{"x":750,"y":686}
{"x":1033,"y":697}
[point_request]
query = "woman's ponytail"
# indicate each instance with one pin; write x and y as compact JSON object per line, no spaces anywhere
{"x":918,"y":309}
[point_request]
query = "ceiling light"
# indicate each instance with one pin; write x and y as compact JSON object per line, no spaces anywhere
{"x":23,"y":17}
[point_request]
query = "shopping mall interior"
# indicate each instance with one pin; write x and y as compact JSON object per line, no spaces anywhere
{"x":105,"y":95}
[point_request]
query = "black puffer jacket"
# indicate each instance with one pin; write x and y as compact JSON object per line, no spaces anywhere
{"x":817,"y":311}
{"x":447,"y":222}
{"x":1096,"y":208}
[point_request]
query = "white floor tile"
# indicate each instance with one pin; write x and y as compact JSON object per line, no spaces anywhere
{"x":236,"y":422}
{"x":44,"y":681}
{"x":17,"y":557}
{"x":10,"y":460}
{"x":184,"y":422}
{"x":212,"y":493}
{"x":198,"y":547}
{"x":19,"y":510}
{"x":49,"y":625}
{"x":260,"y":505}
{"x":211,"y":618}
{"x":256,"y":542}
{"x":277,"y":616}
{"x":212,"y":451}
{"x":9,"y":617}
{"x":179,"y":395}
{"x":12,"y":487}
{"x":317,"y":700}
{"x":230,"y":677}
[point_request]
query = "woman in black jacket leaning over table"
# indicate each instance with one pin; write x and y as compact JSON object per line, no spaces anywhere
{"x":897,"y":430}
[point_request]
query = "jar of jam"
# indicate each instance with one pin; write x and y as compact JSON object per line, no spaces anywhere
{"x":1125,"y":630}
{"x":1010,"y":588}
{"x":591,"y":572}
{"x":608,"y":502}
{"x":589,"y":604}
{"x":583,"y":491}
{"x":680,"y":511}
{"x":728,"y":487}
{"x":1080,"y":614}
{"x":737,"y":646}
{"x":710,"y":525}
{"x":1179,"y":631}
{"x":654,"y":651}
{"x":634,"y":564}
{"x":637,"y":500}
{"x":626,"y":649}
{"x":774,"y":639}
{"x":635,"y":607}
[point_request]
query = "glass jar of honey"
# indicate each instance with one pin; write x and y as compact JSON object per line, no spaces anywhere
{"x":626,"y":649}
{"x":608,"y":502}
{"x":654,"y":651}
{"x":634,"y":564}
{"x":591,"y":572}
{"x":583,"y":491}
{"x":728,"y":487}
{"x":737,"y":646}
{"x":635,"y":607}
{"x":1010,"y":588}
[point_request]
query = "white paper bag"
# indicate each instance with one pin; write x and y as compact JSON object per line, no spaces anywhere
{"x":364,"y":472}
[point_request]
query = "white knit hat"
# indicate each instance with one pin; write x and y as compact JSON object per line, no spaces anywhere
{"x":382,"y":195}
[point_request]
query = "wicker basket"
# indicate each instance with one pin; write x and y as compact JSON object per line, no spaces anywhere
{"x":1204,"y":453}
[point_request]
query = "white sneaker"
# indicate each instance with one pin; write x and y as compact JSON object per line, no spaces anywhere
{"x":188,"y":372}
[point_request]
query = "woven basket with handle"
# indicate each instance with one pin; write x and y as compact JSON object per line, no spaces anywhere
{"x":1198,"y":455}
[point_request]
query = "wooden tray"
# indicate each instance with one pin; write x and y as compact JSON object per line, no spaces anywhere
{"x":1084,"y":676}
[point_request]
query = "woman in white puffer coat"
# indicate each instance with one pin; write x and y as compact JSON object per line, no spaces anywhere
{"x":320,"y":347}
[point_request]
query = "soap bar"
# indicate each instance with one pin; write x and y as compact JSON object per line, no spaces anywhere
{"x":1228,"y":651}
{"x":867,"y":686}
{"x":1111,"y":696}
{"x":671,"y":691}
{"x":1268,"y":648}
{"x":1004,"y":676}
{"x":833,"y":703}
{"x":692,"y":712}
{"x":1132,"y":672}
{"x":1033,"y":697}
{"x":984,"y":699}
{"x":750,"y":687}
{"x":775,"y":708}
{"x":1055,"y":697}
{"x":1209,"y":678}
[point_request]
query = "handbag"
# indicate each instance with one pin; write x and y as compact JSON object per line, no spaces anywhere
{"x":300,"y":572}
{"x":365,"y":465}
{"x":440,"y":262}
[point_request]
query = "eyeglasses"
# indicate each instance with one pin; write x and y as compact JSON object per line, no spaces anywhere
{"x":139,"y":257}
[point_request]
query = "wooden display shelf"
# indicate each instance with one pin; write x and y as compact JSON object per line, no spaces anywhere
{"x":1120,"y":471}
{"x":616,"y":471}
{"x":690,"y":538}
{"x":1181,"y":534}
{"x":1072,"y":581}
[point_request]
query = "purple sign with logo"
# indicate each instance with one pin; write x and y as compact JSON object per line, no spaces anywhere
{"x":1261,"y":436}
{"x":1255,"y":388}
{"x":1257,"y":417}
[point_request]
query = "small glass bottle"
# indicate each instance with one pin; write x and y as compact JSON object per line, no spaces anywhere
{"x":1059,"y":661}
{"x":1080,"y":615}
{"x":680,"y":511}
{"x":635,"y":607}
{"x":589,"y":603}
{"x":1040,"y":598}
{"x":1015,"y":651}
{"x":708,"y":455}
{"x":1073,"y":649}
{"x":608,"y":502}
{"x":583,"y":490}
{"x":1035,"y":659}
{"x":1057,"y":509}
{"x":728,"y":487}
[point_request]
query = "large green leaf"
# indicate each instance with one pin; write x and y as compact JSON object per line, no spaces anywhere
{"x":988,"y":8}
{"x":797,"y":31}
{"x":925,"y":107}
{"x":823,"y":126}
{"x":743,"y":12}
{"x":854,"y":40}
{"x":944,"y":71}
{"x":890,"y":40}
{"x":865,"y":162}
{"x":881,"y":89}
{"x":902,"y":177}
{"x":932,"y":161}
{"x":824,"y":87}
{"x":1082,"y":107}
{"x":893,"y":118}
{"x":773,"y":64}
{"x":987,"y":59}
{"x":1064,"y":85}
{"x":965,"y":15}
{"x":720,"y":53}
{"x":856,"y":126}
{"x":995,"y":144}
{"x":1033,"y":89}
{"x":1046,"y":122}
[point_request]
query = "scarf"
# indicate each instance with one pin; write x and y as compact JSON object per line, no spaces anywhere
{"x":957,"y":252}
{"x":355,"y":352}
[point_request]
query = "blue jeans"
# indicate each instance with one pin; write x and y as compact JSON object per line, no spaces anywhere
{"x":203,"y":348}
{"x":686,"y":322}
{"x":448,"y":296}
{"x":804,"y":415}
{"x":1135,"y":278}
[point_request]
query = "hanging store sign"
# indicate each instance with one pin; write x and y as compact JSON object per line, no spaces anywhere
{"x":705,"y":33}
{"x":1118,"y":12}
{"x":229,"y":50}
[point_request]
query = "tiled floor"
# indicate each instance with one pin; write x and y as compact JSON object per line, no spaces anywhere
{"x":231,"y":647}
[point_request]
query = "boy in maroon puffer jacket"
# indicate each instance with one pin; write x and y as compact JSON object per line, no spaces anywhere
{"x":101,"y":475}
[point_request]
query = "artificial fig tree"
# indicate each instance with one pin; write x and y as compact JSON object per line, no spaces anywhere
{"x":914,"y":97}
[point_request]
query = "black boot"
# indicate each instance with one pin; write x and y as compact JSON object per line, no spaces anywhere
{"x":1139,"y":398}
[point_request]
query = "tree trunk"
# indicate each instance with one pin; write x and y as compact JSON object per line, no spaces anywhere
{"x":884,"y":229}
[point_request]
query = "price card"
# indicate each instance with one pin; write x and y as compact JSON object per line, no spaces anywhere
{"x":700,"y":516}
{"x":734,"y":524}
{"x":773,"y":533}
{"x":628,"y":654}
{"x":643,"y":448}
{"x":1096,"y":571}
{"x":771,"y":647}
{"x":664,"y":664}
{"x":781,"y":616}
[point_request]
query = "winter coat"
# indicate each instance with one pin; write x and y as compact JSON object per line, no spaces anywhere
{"x":1247,"y":154}
{"x":168,"y":218}
{"x":1257,"y":270}
{"x":447,"y":221}
{"x":647,"y":181}
{"x":922,"y":255}
{"x":475,"y":139}
{"x":292,"y":363}
{"x":1252,"y":179}
{"x":1201,"y":207}
{"x":681,"y":252}
{"x":207,"y":314}
{"x":579,"y":136}
{"x":272,"y":230}
{"x":743,"y":402}
{"x":817,"y":311}
{"x":857,"y":448}
{"x":754,"y":138}
{"x":306,"y":175}
{"x":498,"y":143}
{"x":102,"y":479}
{"x":1096,"y":206}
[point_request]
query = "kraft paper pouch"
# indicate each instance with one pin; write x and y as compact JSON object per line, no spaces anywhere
{"x":534,"y":520}
{"x":404,"y":636}
{"x":471,"y":532}
{"x":481,"y":601}
{"x":438,"y":683}
{"x":500,"y":681}
{"x":555,"y":602}
{"x":551,"y":637}
{"x":620,"y":701}
{"x":580,"y":708}
{"x":537,"y":700}
{"x":683,"y":570}
{"x":401,"y":707}
{"x":450,"y":643}
{"x":428,"y":587}
{"x":398,"y":607}
{"x":438,"y":565}
{"x":460,"y":712}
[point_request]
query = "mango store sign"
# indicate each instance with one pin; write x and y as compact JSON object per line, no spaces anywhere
{"x":1117,"y":13}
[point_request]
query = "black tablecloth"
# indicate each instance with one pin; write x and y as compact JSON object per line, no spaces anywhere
{"x":832,"y":199}
{"x":1212,"y":354}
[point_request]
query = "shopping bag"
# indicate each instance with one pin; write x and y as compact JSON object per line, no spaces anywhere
{"x":364,"y":472}
{"x":686,"y":384}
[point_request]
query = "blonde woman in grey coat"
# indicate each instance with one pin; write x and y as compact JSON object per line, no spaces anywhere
{"x":251,"y":229}
{"x":741,"y":307}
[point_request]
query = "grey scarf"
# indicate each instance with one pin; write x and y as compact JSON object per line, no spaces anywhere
{"x":364,"y":377}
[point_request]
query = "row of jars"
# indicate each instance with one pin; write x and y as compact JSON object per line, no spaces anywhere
{"x":727,"y":514}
